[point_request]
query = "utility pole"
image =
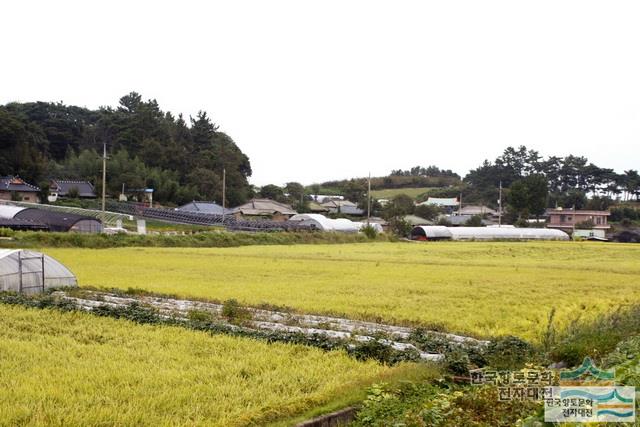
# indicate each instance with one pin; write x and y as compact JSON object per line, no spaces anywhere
{"x":104,"y":174}
{"x":224,"y":190}
{"x":500,"y":207}
{"x":369,"y":199}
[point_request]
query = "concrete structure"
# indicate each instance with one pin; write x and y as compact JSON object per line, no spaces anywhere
{"x":569,"y":219}
{"x":32,"y":272}
{"x":265,"y":209}
{"x":15,"y":188}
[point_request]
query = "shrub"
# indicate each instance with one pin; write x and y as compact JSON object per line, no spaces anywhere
{"x":235,"y":313}
{"x":509,"y":353}
{"x":474,"y":221}
{"x":596,"y":338}
{"x":369,"y":231}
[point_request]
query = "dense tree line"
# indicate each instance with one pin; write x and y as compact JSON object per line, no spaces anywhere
{"x":430,"y":171}
{"x":571,"y":180}
{"x":147,"y":147}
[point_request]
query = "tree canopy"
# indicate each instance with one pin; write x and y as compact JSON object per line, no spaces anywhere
{"x":147,"y":147}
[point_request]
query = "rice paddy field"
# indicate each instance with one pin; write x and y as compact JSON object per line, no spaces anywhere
{"x":481,"y":289}
{"x":72,"y":368}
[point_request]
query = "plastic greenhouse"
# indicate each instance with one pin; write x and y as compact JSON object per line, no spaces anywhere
{"x":32,"y":272}
{"x":486,"y":233}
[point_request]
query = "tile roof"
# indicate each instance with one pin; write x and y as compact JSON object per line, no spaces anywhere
{"x":14,"y":183}
{"x":62,"y":187}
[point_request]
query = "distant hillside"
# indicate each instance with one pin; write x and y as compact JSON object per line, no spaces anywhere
{"x":147,"y":147}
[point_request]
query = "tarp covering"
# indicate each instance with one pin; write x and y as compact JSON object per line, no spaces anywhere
{"x":23,"y":270}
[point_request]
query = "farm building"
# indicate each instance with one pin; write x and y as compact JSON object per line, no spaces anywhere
{"x":485,"y":233}
{"x":53,"y":221}
{"x":32,"y":272}
{"x":264,"y":208}
{"x":15,"y":188}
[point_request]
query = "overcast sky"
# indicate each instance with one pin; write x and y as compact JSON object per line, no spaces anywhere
{"x":323,"y":90}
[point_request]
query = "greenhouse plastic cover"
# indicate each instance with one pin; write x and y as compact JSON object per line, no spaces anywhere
{"x":55,"y":274}
{"x":493,"y":233}
{"x":9,"y":211}
{"x":327,"y":224}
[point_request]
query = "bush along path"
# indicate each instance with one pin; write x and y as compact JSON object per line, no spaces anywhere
{"x":363,"y":340}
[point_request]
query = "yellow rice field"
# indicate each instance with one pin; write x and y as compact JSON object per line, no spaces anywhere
{"x":78,"y":369}
{"x":484,"y":289}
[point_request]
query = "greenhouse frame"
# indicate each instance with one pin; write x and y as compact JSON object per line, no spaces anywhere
{"x":28,"y":271}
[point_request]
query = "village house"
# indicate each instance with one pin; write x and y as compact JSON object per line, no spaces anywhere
{"x":264,"y":209}
{"x":210,"y":208}
{"x":16,"y":189}
{"x":570,"y":219}
{"x":66,"y":188}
